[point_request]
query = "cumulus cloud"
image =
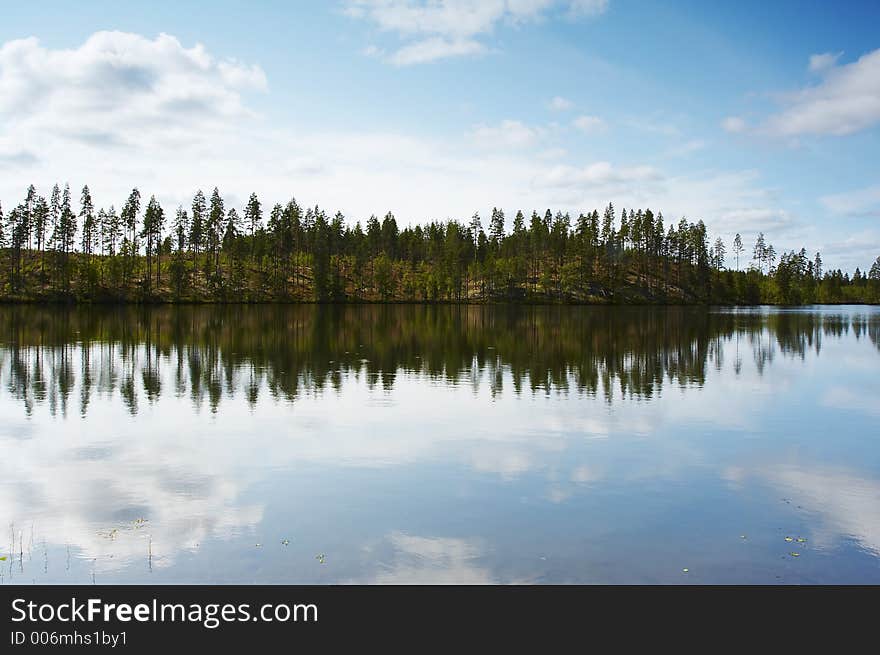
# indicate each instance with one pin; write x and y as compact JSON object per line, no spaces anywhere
{"x":824,"y":61}
{"x":558,"y":103}
{"x":435,"y":48}
{"x":687,"y":148}
{"x":438,"y":29}
{"x":845,"y":101}
{"x":734,"y":124}
{"x":18,"y":157}
{"x":756,"y":219}
{"x":859,"y":202}
{"x":603,"y":176}
{"x":507,"y":134}
{"x":587,"y":7}
{"x":169,"y":118}
{"x":120,"y":89}
{"x":372,"y":51}
{"x":860,"y":249}
{"x":589,"y":124}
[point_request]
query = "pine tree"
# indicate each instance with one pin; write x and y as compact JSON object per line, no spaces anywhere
{"x":112,"y":229}
{"x":55,"y":217}
{"x":874,"y":273}
{"x":214,"y":226}
{"x":154,"y":220}
{"x":496,"y":229}
{"x":27,"y":216}
{"x":129,"y":216}
{"x":737,"y":248}
{"x":87,"y":218}
{"x":197,"y":225}
{"x":718,"y":254}
{"x":253,"y":218}
{"x":68,"y":221}
{"x":40,"y":221}
{"x":760,"y":251}
{"x":475,"y":227}
{"x":181,"y":229}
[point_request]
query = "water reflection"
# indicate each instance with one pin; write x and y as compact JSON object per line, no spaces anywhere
{"x":211,"y":352}
{"x":444,"y":444}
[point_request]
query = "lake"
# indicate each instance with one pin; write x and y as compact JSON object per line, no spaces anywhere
{"x":439,"y":444}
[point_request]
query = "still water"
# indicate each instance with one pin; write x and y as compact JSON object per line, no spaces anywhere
{"x":409,"y":444}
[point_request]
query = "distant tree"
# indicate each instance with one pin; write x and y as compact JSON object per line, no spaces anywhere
{"x":154,"y":221}
{"x":63,"y":235}
{"x":389,"y":235}
{"x":112,"y":230}
{"x":88,"y":220}
{"x":197,"y":225}
{"x":253,"y":218}
{"x":770,"y":255}
{"x":129,"y":215}
{"x":40,"y":223}
{"x":214,"y":228}
{"x":40,"y":219}
{"x":181,"y":229}
{"x":737,"y":248}
{"x":718,"y":254}
{"x":475,"y":228}
{"x":327,"y":259}
{"x":496,"y":229}
{"x":54,"y":216}
{"x":760,"y":251}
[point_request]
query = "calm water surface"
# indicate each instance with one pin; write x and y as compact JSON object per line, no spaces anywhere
{"x":439,"y":444}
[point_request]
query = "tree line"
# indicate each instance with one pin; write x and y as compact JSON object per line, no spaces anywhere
{"x":54,"y":250}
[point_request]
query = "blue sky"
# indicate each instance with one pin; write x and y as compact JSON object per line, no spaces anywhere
{"x":751,"y":116}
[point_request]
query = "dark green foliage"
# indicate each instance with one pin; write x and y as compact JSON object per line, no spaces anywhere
{"x":215,"y":254}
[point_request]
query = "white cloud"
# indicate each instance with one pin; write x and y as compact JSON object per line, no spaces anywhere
{"x":589,"y":124}
{"x":820,"y":63}
{"x":453,"y":19}
{"x":558,"y":103}
{"x":600,"y":175}
{"x":372,"y":51}
{"x":435,"y":48}
{"x":656,"y":125}
{"x":859,"y":249}
{"x":14,"y":156}
{"x":587,"y":7}
{"x":171,"y":141}
{"x":755,"y":219}
{"x":847,"y":100}
{"x":508,"y":134}
{"x":859,"y":202}
{"x":687,"y":148}
{"x":436,"y":29}
{"x":552,"y":153}
{"x":120,"y":89}
{"x":734,"y":124}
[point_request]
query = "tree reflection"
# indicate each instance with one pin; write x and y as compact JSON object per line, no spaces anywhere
{"x":286,"y":351}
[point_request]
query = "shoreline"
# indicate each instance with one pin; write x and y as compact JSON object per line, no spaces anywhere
{"x":425,"y":303}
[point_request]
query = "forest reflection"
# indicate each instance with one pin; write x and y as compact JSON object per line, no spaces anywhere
{"x":64,"y":356}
